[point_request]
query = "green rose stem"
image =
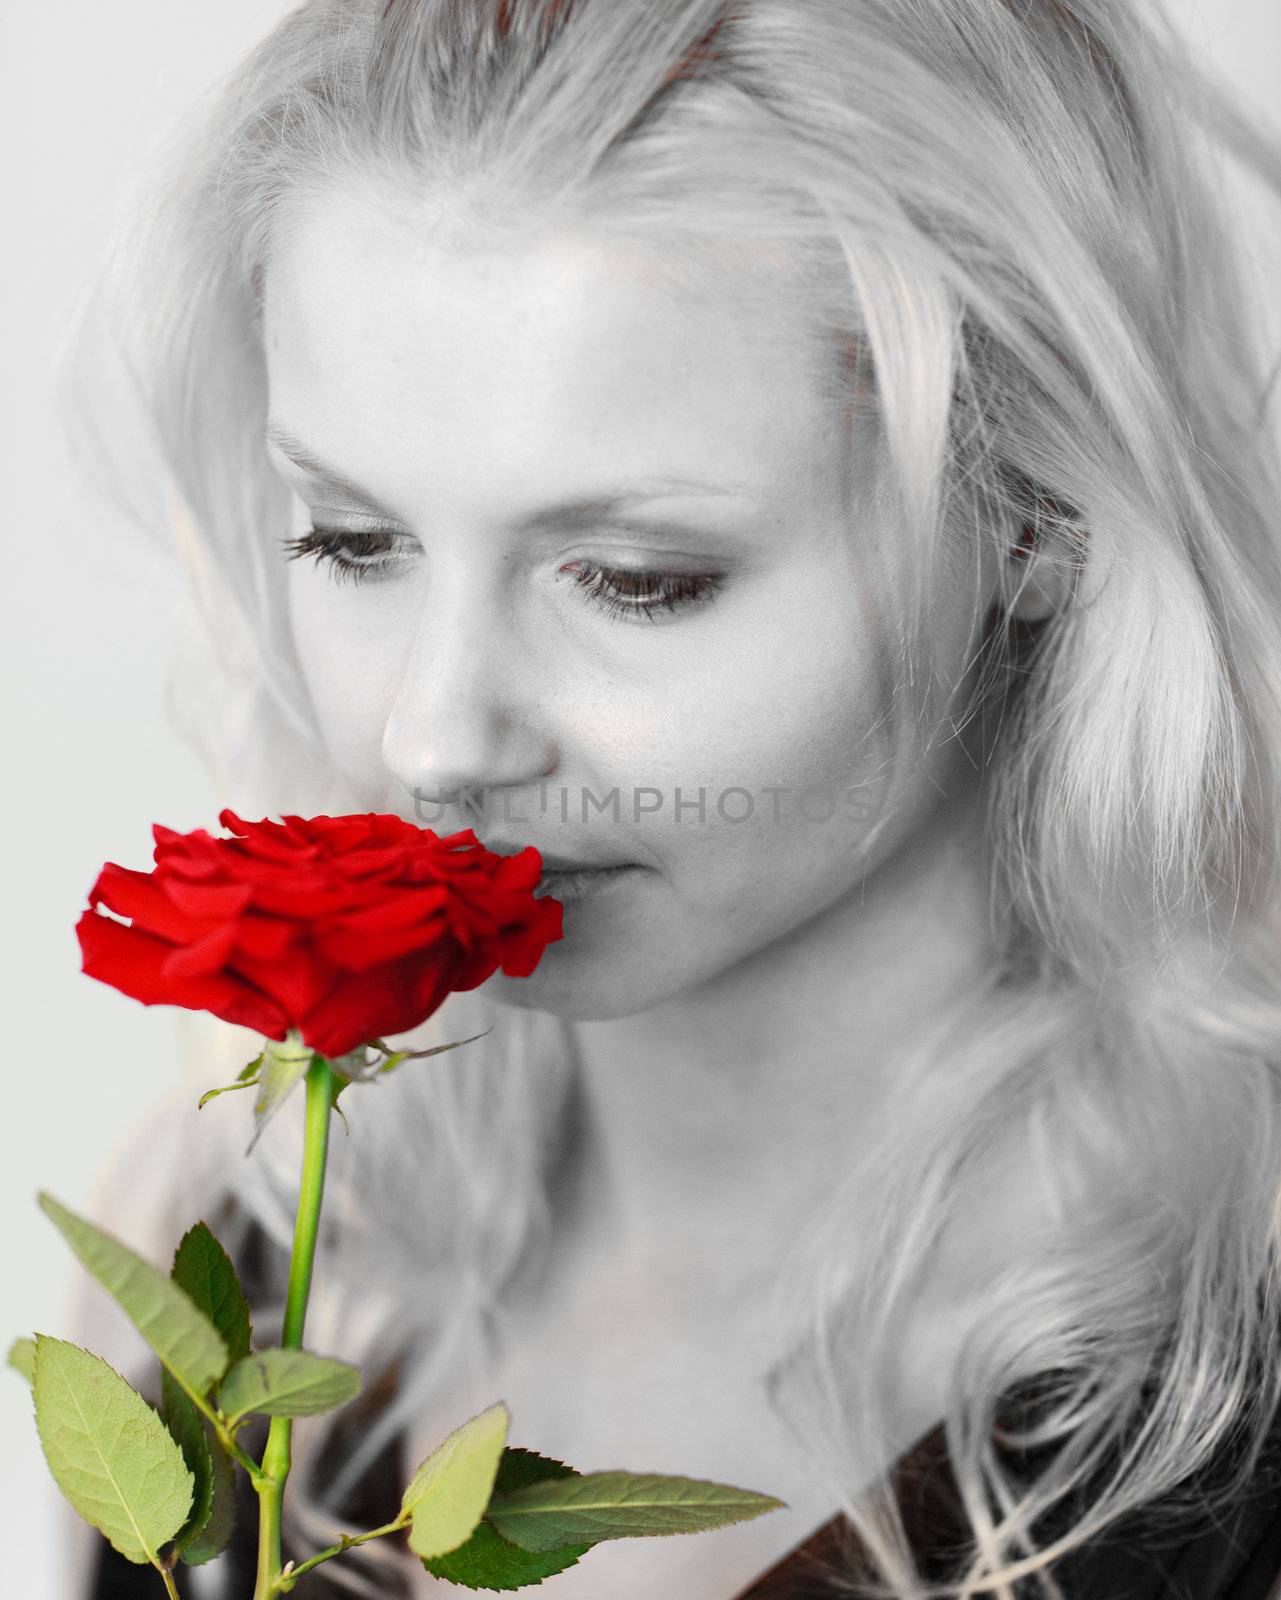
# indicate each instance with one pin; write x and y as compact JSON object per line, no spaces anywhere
{"x":276,"y":1460}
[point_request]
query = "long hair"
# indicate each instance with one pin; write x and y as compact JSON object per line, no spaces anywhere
{"x":1010,"y":217}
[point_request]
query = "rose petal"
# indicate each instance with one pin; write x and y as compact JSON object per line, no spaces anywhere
{"x":206,"y":956}
{"x":358,"y":950}
{"x":265,"y":938}
{"x":131,"y":962}
{"x":139,"y":895}
{"x":221,"y":900}
{"x":399,"y":996}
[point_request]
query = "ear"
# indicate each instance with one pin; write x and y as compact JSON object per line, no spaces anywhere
{"x":1037,"y":574}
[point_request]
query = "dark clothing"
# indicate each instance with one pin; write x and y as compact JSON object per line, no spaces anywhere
{"x":1235,"y":1556}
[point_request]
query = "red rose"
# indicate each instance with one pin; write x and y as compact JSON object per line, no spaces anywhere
{"x":346,"y":928}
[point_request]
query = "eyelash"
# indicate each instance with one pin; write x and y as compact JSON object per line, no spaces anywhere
{"x":666,"y":591}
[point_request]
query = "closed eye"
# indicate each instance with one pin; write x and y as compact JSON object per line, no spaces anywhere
{"x":357,"y":556}
{"x":350,"y":554}
{"x":622,"y":592}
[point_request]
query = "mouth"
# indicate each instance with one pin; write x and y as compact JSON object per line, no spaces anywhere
{"x":553,"y":863}
{"x":572,"y":883}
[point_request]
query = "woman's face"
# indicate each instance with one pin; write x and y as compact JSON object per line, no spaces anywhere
{"x":617,"y":584}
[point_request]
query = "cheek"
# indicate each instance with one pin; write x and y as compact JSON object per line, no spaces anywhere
{"x":779,"y":732}
{"x":349,"y":658}
{"x":798,"y":702}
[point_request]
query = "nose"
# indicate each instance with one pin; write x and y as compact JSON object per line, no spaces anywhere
{"x":463,"y":718}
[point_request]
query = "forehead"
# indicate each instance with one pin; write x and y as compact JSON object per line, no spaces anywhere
{"x":565,"y":342}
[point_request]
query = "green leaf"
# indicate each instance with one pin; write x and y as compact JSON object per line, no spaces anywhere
{"x":244,"y":1078}
{"x":203,"y":1269}
{"x":22,"y":1358}
{"x":108,"y":1450}
{"x":619,"y":1505}
{"x":287,"y":1383}
{"x":216,"y":1534}
{"x":284,"y":1066}
{"x":188,"y":1429}
{"x":176,"y":1329}
{"x":448,"y":1494}
{"x":487,"y":1560}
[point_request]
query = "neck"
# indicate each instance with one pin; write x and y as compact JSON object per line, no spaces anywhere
{"x":720,"y":1119}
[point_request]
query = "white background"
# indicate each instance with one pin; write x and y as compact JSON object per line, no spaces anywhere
{"x":91,"y":619}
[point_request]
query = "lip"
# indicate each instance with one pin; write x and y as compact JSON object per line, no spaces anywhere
{"x":555,"y":863}
{"x":568,"y":886}
{"x":563,"y":864}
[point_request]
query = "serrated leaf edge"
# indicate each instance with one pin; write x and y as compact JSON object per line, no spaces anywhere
{"x":57,"y":1212}
{"x":151,"y":1555}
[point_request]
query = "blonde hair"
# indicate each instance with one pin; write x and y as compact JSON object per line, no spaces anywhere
{"x":1010,"y":212}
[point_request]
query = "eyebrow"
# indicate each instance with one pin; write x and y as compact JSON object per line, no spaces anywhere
{"x":580,"y":510}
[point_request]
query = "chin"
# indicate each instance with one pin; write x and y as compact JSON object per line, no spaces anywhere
{"x":580,"y":991}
